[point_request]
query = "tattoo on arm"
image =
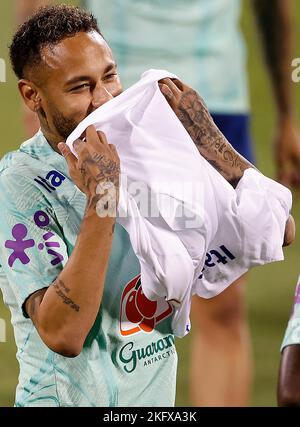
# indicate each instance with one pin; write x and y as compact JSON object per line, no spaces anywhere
{"x":210,"y":142}
{"x":103,"y":170}
{"x":108,"y":170}
{"x":62,"y":291}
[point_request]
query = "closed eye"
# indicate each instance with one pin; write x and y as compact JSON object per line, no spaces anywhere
{"x":110,"y":76}
{"x":82,"y":86}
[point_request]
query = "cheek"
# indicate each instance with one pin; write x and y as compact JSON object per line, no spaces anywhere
{"x":76,"y":106}
{"x":78,"y":102}
{"x":114,"y":88}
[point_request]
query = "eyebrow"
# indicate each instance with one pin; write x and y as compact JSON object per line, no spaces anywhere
{"x":77,"y":79}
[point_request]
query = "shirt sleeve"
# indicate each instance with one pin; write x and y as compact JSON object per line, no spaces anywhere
{"x":32,"y":246}
{"x":292,"y":333}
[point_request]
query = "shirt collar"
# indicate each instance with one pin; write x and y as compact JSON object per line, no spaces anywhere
{"x":39,"y":148}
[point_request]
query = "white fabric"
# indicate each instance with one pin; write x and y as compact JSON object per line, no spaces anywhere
{"x":226,"y":231}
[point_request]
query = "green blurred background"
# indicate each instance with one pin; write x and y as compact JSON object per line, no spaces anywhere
{"x":270,"y":289}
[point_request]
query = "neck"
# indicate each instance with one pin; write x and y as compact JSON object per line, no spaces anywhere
{"x":52,"y":138}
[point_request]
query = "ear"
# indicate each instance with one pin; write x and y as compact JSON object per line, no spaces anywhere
{"x":30,"y":94}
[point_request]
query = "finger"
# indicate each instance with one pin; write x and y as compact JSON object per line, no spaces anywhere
{"x":92,"y":137}
{"x":114,"y":150}
{"x":166,"y":91}
{"x":83,"y":135}
{"x":78,"y":146}
{"x":170,"y":83}
{"x":67,"y":153}
{"x":178,"y":84}
{"x":102,"y":137}
{"x":289,"y":232}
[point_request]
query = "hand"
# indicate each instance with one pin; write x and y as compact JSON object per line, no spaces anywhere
{"x":191,"y":110}
{"x":287,"y":154}
{"x":96,"y":172}
{"x":289,"y":232}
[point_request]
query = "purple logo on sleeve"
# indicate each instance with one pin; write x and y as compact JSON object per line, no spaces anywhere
{"x":20,"y":244}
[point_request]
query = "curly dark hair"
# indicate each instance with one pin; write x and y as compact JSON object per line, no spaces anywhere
{"x":48,"y":26}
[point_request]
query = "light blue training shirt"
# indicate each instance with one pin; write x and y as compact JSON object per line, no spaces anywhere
{"x":198,"y":40}
{"x":129,"y":358}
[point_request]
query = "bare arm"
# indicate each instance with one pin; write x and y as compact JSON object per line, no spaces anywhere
{"x":274,"y":21}
{"x":65,"y":312}
{"x":288,"y":391}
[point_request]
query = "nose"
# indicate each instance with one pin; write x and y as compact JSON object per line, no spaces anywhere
{"x":100,"y":96}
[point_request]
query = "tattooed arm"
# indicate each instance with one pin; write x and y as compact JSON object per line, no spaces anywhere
{"x":65,"y":312}
{"x":274,"y":21}
{"x":209,"y":140}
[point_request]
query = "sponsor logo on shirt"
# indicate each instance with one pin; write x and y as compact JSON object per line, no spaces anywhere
{"x":22,"y":244}
{"x":52,"y":180}
{"x":162,"y":349}
{"x":138,"y":313}
{"x":215,"y":256}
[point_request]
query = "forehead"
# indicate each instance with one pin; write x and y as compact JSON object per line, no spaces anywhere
{"x":83,"y":53}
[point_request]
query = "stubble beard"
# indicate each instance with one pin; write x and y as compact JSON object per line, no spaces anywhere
{"x":63,"y":125}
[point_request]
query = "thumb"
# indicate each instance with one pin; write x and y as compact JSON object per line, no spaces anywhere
{"x":67,"y":153}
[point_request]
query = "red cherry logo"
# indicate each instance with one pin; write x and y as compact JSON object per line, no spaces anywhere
{"x":146,"y":307}
{"x":132,"y":313}
{"x":137,"y":313}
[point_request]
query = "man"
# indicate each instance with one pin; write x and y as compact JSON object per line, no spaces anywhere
{"x":74,"y":287}
{"x":202,"y":44}
{"x":62,"y":261}
{"x":289,"y":372}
